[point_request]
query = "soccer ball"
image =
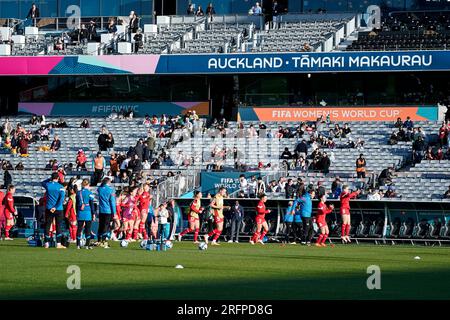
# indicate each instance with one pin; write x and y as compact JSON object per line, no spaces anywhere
{"x":169,"y":244}
{"x":124,"y":243}
{"x":143,"y":244}
{"x":82,"y":242}
{"x":203,"y":246}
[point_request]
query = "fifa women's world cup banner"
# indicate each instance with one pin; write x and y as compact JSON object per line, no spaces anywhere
{"x":385,"y":113}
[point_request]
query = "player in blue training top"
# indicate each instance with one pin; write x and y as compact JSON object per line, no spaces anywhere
{"x":85,"y":214}
{"x":54,"y":210}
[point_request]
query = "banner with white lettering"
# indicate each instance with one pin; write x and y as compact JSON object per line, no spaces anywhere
{"x":367,"y":113}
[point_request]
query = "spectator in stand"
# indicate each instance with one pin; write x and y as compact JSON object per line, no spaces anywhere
{"x":429,"y":154}
{"x":138,"y":40}
{"x":361,"y":166}
{"x":408,"y":123}
{"x":390,"y":192}
{"x":398,"y":123}
{"x":325,"y":164}
{"x":92,"y":30}
{"x":302,"y":149}
{"x":447,"y":193}
{"x":286,"y":155}
{"x":110,"y":142}
{"x":418,"y":148}
{"x":199,"y":12}
{"x":112,"y":28}
{"x":114,"y":164}
{"x":393,"y":138}
{"x":103,"y":140}
{"x":33,"y":13}
{"x":439,"y":155}
{"x":210,"y":11}
{"x":336,"y":188}
{"x":56,"y":144}
{"x":373,"y":195}
{"x":320,"y":191}
{"x":81,"y":160}
{"x":443,"y":132}
{"x":133,"y":25}
{"x":257,"y":10}
{"x":83,"y":35}
{"x":190,"y":10}
{"x":19,"y":167}
{"x":346,"y":131}
{"x":386,"y":176}
{"x":7,"y":179}
{"x":85,"y":124}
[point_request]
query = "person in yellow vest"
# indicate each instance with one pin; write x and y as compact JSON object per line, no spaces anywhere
{"x":98,"y":165}
{"x":218,"y":207}
{"x":361,"y":166}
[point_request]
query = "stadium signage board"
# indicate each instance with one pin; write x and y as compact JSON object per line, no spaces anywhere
{"x":212,"y":181}
{"x":351,"y":113}
{"x":228,"y":63}
{"x":106,"y":108}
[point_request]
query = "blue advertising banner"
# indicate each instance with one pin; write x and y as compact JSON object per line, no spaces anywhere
{"x":305,"y":62}
{"x":212,"y":181}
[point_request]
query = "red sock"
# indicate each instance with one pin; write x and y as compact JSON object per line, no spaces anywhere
{"x":186,"y":231}
{"x":263,"y":235}
{"x":347,"y":230}
{"x":73,"y":230}
{"x":135,"y":233}
{"x":7,"y":231}
{"x":144,"y":233}
{"x":196,"y":234}
{"x":141,"y":227}
{"x":343,"y":229}
{"x":212,"y":233}
{"x":325,"y":237}
{"x":218,"y":233}
{"x":128,"y":235}
{"x":319,"y":239}
{"x":255,"y":236}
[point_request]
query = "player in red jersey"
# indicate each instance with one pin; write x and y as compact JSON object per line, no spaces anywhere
{"x":217,"y":208}
{"x":128,"y":212}
{"x":9,"y":210}
{"x":117,"y":225}
{"x":71,"y":214}
{"x":143,"y":205}
{"x":2,"y":214}
{"x":260,"y":221}
{"x":322,"y":211}
{"x":346,"y":196}
{"x":194,"y":220}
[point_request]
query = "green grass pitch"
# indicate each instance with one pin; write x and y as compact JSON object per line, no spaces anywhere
{"x":229,"y":271}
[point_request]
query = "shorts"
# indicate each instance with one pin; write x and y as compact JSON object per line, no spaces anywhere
{"x":193,"y":219}
{"x":260,"y":220}
{"x":9,"y":215}
{"x":72,"y":217}
{"x":345,"y":211}
{"x":218,"y":219}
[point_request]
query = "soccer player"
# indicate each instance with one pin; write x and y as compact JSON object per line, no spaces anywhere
{"x":218,"y":207}
{"x":9,"y":211}
{"x":305,"y":202}
{"x":129,"y":205}
{"x":71,"y":213}
{"x":107,"y":210}
{"x":143,"y":206}
{"x":85,"y":214}
{"x":54,"y":208}
{"x":288,"y":222}
{"x":346,"y":196}
{"x":261,"y":222}
{"x":194,"y":222}
{"x":117,"y":225}
{"x":322,"y":210}
{"x":2,"y":214}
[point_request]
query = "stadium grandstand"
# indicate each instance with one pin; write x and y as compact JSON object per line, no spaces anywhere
{"x":288,"y":97}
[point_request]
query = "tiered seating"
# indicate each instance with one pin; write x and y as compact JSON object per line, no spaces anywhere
{"x":294,"y":36}
{"x":407,"y":31}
